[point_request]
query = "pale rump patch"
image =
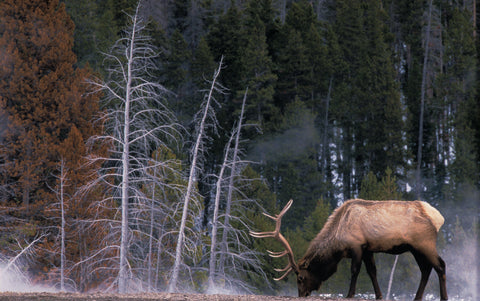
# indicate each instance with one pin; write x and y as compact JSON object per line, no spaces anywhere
{"x":435,"y":216}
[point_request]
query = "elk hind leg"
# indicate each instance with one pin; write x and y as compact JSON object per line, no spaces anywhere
{"x":426,"y":263}
{"x":425,"y":268}
{"x":440,"y":268}
{"x":372,"y":272}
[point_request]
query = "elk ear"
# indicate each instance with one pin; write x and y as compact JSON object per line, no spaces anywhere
{"x":305,"y":265}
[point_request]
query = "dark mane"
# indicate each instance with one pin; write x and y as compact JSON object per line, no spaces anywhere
{"x":323,"y":246}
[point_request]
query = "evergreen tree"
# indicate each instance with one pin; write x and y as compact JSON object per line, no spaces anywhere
{"x":94,"y":31}
{"x":299,"y":61}
{"x":202,"y":64}
{"x":49,"y":111}
{"x":367,"y":103}
{"x":225,"y":39}
{"x":177,"y":74}
{"x":291,"y":163}
{"x":459,"y":106}
{"x":257,"y":72}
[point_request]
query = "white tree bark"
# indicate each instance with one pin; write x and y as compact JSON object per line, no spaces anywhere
{"x":137,"y":123}
{"x":24,"y":251}
{"x":63,"y":178}
{"x":191,"y":180}
{"x":150,"y":238}
{"x":59,"y":191}
{"x":213,"y":243}
{"x":122,"y":274}
{"x":390,"y":280}
{"x":233,"y":169}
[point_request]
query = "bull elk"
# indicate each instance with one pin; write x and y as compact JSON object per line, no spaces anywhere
{"x":356,"y":230}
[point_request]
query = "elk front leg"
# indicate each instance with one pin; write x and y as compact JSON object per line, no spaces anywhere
{"x":372,"y":272}
{"x":355,"y":269}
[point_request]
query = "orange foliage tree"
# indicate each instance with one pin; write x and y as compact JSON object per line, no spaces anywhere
{"x":46,"y":113}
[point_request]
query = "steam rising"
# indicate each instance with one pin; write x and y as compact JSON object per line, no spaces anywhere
{"x":291,"y":142}
{"x":13,"y":280}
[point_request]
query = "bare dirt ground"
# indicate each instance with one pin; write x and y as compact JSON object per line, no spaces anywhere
{"x":156,"y":296}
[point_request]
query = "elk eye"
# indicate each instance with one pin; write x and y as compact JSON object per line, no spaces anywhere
{"x":301,"y":278}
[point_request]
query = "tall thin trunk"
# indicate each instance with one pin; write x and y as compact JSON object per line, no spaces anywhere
{"x":150,"y":237}
{"x":213,"y":244}
{"x":474,"y":16}
{"x":62,"y":230}
{"x":283,"y":11}
{"x":325,"y":129}
{"x":228,"y":209}
{"x":390,"y":280}
{"x":422,"y":102}
{"x":122,"y":274}
{"x":191,"y":179}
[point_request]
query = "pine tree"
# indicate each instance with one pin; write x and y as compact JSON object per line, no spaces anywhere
{"x":299,"y":56}
{"x":257,"y":72}
{"x":42,"y":91}
{"x":225,"y":39}
{"x":367,"y":103}
{"x":291,"y":163}
{"x":458,"y":93}
{"x":94,"y":32}
{"x":49,"y":109}
{"x":177,"y":74}
{"x":202,"y":64}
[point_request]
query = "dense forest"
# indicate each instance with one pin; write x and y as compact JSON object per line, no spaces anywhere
{"x":141,"y":141}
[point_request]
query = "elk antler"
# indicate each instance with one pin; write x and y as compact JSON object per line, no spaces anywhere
{"x":291,"y":266}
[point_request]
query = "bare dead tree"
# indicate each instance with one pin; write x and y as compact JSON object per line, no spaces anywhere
{"x":233,"y":174}
{"x":231,"y":257}
{"x":136,"y":122}
{"x":25,"y":251}
{"x":61,"y":198}
{"x":207,"y":113}
{"x":216,"y":205}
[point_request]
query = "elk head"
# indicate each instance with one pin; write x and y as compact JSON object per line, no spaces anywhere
{"x":306,"y":281}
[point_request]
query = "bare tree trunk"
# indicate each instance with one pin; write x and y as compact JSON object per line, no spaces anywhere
{"x":122,"y":275}
{"x":191,"y":179}
{"x":150,"y":236}
{"x":213,"y":244}
{"x":474,"y":16}
{"x":325,"y":130}
{"x":62,"y":227}
{"x":24,"y":251}
{"x":136,"y":123}
{"x":228,"y":208}
{"x":390,"y":280}
{"x":422,"y":102}
{"x":283,"y":11}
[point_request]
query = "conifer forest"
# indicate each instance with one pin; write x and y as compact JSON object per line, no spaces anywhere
{"x":141,"y":140}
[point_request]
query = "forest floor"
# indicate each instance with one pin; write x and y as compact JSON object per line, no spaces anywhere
{"x":156,"y":296}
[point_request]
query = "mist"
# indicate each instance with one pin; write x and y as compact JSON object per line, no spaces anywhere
{"x":457,"y":244}
{"x":460,"y":250}
{"x":289,"y":143}
{"x":13,"y":280}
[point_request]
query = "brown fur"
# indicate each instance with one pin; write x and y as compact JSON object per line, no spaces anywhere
{"x":359,"y":228}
